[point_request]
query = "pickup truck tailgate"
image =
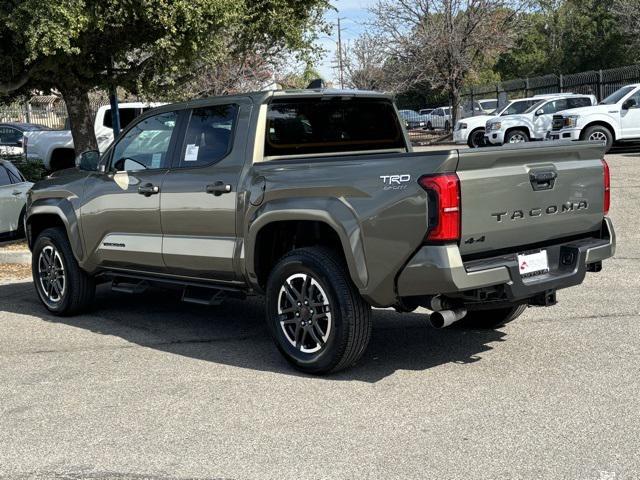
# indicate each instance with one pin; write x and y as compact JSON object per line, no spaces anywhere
{"x":523,"y":195}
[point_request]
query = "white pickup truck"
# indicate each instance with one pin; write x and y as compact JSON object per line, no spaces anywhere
{"x":535,"y":122}
{"x":55,"y":147}
{"x":470,"y":130}
{"x":614,"y":119}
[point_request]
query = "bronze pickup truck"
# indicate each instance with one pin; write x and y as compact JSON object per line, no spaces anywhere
{"x":316,"y":200}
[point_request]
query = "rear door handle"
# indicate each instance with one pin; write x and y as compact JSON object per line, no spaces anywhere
{"x":16,"y":193}
{"x":219,"y":188}
{"x":148,"y":189}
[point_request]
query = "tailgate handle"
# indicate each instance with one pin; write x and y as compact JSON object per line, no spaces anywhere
{"x":543,"y":179}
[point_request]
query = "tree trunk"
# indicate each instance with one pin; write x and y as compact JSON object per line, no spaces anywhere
{"x":81,"y":119}
{"x":454,"y":97}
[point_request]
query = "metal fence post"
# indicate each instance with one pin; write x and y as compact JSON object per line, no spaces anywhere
{"x":27,"y":110}
{"x":473,"y":110}
{"x":560,"y":83}
{"x":600,"y":86}
{"x":526,"y":87}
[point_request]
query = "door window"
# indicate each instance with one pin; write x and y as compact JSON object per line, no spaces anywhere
{"x":209,"y":135}
{"x":578,"y":102}
{"x":146,"y":145}
{"x":14,"y":174}
{"x":636,"y":98}
{"x":555,"y":106}
{"x":4,"y":177}
{"x":10,"y":136}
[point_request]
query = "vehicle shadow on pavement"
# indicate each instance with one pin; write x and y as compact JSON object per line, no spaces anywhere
{"x":235,"y":333}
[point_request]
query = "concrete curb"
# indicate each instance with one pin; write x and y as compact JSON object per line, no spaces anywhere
{"x":16,"y":256}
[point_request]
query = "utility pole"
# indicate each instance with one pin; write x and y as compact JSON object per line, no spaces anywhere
{"x":340,"y":66}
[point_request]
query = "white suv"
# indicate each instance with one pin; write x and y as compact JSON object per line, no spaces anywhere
{"x":536,"y":121}
{"x":616,"y":118}
{"x":470,"y":130}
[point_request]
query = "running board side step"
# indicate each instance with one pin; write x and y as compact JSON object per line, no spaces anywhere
{"x":203,"y":296}
{"x":192,"y":292}
{"x":117,"y":285}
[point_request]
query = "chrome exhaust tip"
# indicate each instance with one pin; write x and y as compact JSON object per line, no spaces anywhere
{"x":444,"y":318}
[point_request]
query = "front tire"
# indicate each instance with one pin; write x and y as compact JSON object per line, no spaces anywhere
{"x":489,"y":319}
{"x":63,"y":287}
{"x":315,"y":314}
{"x":598,"y":133}
{"x":476,"y":138}
{"x":516,"y":136}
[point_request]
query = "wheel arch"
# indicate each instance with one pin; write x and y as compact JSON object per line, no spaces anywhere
{"x":524,"y":128}
{"x":47,"y":213}
{"x":600,"y":123}
{"x":335,"y":227}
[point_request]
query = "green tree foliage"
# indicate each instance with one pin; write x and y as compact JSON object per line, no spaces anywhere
{"x":155,"y":45}
{"x":567,"y":36}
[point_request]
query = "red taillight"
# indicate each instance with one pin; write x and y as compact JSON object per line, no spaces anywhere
{"x":445,"y":191}
{"x":607,"y":187}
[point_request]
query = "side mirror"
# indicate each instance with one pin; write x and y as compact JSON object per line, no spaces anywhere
{"x":20,"y":143}
{"x":88,"y":161}
{"x":630,"y":103}
{"x":539,"y":112}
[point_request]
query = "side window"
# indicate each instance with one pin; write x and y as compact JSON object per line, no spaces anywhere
{"x":146,"y":145}
{"x":4,"y":177}
{"x":127,"y":115}
{"x":554,"y":106}
{"x":9,"y":136}
{"x":209,"y":135}
{"x":578,"y":102}
{"x":14,"y":174}
{"x":636,"y":97}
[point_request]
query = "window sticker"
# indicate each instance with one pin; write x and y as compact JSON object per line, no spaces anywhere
{"x":156,"y":160}
{"x":191,"y":154}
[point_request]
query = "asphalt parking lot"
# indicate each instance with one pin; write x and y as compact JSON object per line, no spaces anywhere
{"x":147,"y":387}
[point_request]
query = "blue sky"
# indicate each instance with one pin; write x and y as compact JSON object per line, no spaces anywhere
{"x":354,"y":15}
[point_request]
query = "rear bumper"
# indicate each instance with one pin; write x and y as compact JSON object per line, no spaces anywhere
{"x":441,"y":270}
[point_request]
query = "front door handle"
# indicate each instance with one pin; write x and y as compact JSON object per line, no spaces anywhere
{"x":16,"y":193}
{"x":219,"y":188}
{"x":148,"y":189}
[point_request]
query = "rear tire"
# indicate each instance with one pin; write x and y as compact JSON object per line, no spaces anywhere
{"x":489,"y":319}
{"x":315,"y":314}
{"x":598,"y":133}
{"x":516,"y":136}
{"x":429,"y":126}
{"x":63,"y":287}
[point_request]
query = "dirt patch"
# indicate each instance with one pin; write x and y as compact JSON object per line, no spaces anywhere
{"x":15,"y":245}
{"x":11,"y":271}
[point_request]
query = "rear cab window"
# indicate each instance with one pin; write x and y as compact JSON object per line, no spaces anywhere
{"x":331,"y":125}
